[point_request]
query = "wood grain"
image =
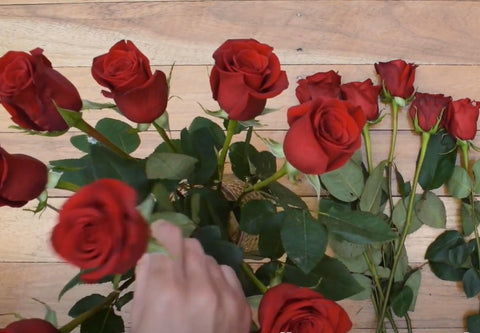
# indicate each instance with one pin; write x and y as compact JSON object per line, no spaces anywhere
{"x":311,"y":32}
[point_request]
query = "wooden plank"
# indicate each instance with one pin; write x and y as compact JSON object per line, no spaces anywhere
{"x":20,"y":282}
{"x":188,"y":32}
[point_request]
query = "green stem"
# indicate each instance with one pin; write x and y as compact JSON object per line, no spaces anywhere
{"x":398,"y":252}
{"x":391,"y":154}
{"x":164,"y":136}
{"x":277,"y":175}
{"x":409,"y":323}
{"x":464,"y":147}
{"x":83,"y":126}
{"x":253,"y":278}
{"x":368,"y":147}
{"x":232,"y":125}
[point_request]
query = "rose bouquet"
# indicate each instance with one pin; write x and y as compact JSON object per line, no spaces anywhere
{"x":293,"y":258}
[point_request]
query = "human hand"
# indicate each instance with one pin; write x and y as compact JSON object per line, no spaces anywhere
{"x":186,"y":291}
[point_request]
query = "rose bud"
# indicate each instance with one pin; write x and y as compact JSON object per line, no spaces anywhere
{"x":460,"y":119}
{"x":288,"y":308}
{"x":246,"y":73}
{"x":397,"y":76}
{"x":428,"y":108}
{"x":323,"y":135}
{"x":99,"y":229}
{"x":140,"y":95}
{"x":363,"y":94}
{"x":30,"y":88}
{"x":30,"y":325}
{"x":325,"y":85}
{"x":23,"y":178}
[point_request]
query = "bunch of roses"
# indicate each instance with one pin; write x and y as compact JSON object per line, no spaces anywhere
{"x":99,"y":228}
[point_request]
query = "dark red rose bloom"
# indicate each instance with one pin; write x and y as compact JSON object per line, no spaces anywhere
{"x":319,"y":85}
{"x":140,"y":95}
{"x":30,"y":326}
{"x":398,"y":77}
{"x":22,"y":178}
{"x":363,"y":94}
{"x":428,"y":109}
{"x":323,"y":135}
{"x":246,"y":73}
{"x":288,"y":308}
{"x":29,"y":89}
{"x":460,"y":119}
{"x":99,"y":229}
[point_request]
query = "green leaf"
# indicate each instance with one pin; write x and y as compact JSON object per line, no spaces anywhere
{"x":336,"y":282}
{"x":85,"y":304}
{"x":404,"y":188}
{"x":399,"y":215}
{"x":438,"y":249}
{"x":125,"y":299}
{"x":270,"y":242}
{"x":447,"y":272}
{"x":466,"y":217}
{"x":370,"y":200}
{"x":304,"y":239}
{"x":314,"y":181}
{"x":180,"y":220}
{"x":169,"y":166}
{"x":81,"y":143}
{"x":240,"y":154}
{"x":430,"y":210}
{"x":459,"y":185}
{"x":50,"y":314}
{"x":345,"y":249}
{"x":72,"y":118}
{"x":413,"y":282}
{"x":345,"y":183}
{"x":401,"y":301}
{"x":286,"y":197}
{"x":476,"y":174}
{"x":105,"y":321}
{"x":366,"y":284}
{"x":119,"y":133}
{"x":214,"y":130}
{"x":254,"y":214}
{"x":276,"y":148}
{"x":473,"y":324}
{"x":458,"y":255}
{"x":471,"y":282}
{"x":441,"y":155}
{"x":358,"y":227}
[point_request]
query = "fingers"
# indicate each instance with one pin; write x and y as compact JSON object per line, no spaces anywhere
{"x":232,"y":279}
{"x":170,"y":237}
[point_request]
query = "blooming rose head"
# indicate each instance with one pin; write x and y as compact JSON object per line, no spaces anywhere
{"x":140,"y":95}
{"x":398,"y":77}
{"x":99,"y":229}
{"x":30,"y":325}
{"x":288,"y":308}
{"x":460,"y":119}
{"x":30,"y":88}
{"x":363,"y":94}
{"x":324,"y":85}
{"x":22,"y":178}
{"x":428,"y":108}
{"x":323,"y":135}
{"x":245,"y":74}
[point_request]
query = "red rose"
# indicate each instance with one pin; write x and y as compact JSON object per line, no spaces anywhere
{"x":245,"y":74}
{"x":139,"y":95}
{"x":22,"y":178}
{"x":323,"y":135}
{"x":288,"y":308}
{"x":363,"y":94}
{"x":30,"y":326}
{"x":99,"y":229}
{"x":397,"y":76}
{"x":319,"y":85}
{"x":30,"y":88}
{"x":460,"y":119}
{"x":428,"y":108}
